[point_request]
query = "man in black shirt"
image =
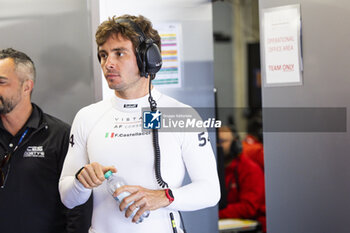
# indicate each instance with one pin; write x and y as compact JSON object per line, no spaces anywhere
{"x":33,"y":146}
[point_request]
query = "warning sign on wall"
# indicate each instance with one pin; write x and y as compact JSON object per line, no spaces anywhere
{"x":281,"y":40}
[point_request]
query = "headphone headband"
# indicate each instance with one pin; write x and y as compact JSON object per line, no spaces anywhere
{"x":136,"y":28}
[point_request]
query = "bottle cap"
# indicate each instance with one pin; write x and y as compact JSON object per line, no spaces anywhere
{"x":108,"y":174}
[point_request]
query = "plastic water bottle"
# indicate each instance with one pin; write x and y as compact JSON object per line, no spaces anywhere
{"x":114,"y":182}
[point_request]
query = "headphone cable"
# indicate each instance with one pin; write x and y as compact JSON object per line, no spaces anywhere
{"x":161,"y":182}
{"x":153,"y":106}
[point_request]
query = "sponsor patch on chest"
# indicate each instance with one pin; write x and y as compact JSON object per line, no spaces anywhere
{"x":34,"y":152}
{"x":130,"y":105}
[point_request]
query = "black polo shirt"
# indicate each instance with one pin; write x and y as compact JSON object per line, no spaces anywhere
{"x":8,"y":141}
{"x":30,"y":201}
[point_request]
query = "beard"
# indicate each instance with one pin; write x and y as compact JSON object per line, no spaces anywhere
{"x":6,"y":105}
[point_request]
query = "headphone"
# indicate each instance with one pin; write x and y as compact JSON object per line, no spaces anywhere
{"x":236,"y":146}
{"x":148,"y":56}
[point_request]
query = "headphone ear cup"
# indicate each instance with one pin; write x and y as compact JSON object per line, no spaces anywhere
{"x":149,"y":58}
{"x":141,"y":58}
{"x":236,"y":148}
{"x":153,"y":59}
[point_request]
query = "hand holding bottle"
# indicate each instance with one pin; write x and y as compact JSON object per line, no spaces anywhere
{"x":145,"y":199}
{"x":92,"y":175}
{"x":115,"y":182}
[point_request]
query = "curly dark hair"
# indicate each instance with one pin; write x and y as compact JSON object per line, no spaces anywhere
{"x":111,"y":27}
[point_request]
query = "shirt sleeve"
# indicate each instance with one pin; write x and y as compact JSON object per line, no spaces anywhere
{"x":72,"y":192}
{"x":199,"y":159}
{"x":78,"y":218}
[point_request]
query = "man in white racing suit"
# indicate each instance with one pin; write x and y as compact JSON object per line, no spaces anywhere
{"x":108,"y":135}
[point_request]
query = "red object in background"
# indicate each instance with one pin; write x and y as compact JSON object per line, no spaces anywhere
{"x":244,"y":181}
{"x":254,"y":149}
